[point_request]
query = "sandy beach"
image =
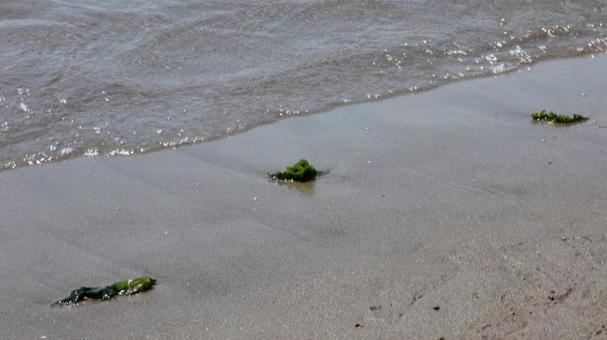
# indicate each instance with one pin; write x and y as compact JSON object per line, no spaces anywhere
{"x":447,"y":214}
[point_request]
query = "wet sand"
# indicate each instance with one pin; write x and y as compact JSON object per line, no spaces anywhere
{"x":450,"y":198}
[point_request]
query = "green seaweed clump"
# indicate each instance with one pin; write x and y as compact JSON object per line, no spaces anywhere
{"x":124,"y":287}
{"x":553,"y":118}
{"x":301,"y":171}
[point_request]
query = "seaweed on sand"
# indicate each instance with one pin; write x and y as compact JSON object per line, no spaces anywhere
{"x":124,"y":287}
{"x":553,"y":118}
{"x":301,"y":171}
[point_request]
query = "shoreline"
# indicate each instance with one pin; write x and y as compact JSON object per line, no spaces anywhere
{"x":448,"y":198}
{"x":12,"y":165}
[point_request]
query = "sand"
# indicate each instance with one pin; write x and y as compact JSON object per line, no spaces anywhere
{"x":449,"y":199}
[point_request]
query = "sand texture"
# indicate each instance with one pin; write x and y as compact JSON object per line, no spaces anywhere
{"x":451,"y":198}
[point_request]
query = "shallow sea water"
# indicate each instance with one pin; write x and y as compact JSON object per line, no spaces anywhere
{"x":91,"y":78}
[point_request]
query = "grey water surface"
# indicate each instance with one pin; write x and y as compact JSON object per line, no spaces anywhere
{"x":123,"y":77}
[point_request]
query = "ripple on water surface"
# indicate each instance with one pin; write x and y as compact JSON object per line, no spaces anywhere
{"x":113,"y":78}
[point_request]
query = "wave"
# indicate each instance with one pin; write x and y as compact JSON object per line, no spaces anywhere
{"x":109,"y":79}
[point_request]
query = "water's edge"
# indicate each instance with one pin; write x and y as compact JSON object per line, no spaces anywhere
{"x":116,"y":79}
{"x":327,"y":109}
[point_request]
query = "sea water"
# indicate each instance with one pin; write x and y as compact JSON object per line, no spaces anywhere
{"x":114,"y":77}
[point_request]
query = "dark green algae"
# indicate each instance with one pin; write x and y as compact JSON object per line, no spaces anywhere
{"x":558,"y":119}
{"x":124,"y":287}
{"x":302,"y":171}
